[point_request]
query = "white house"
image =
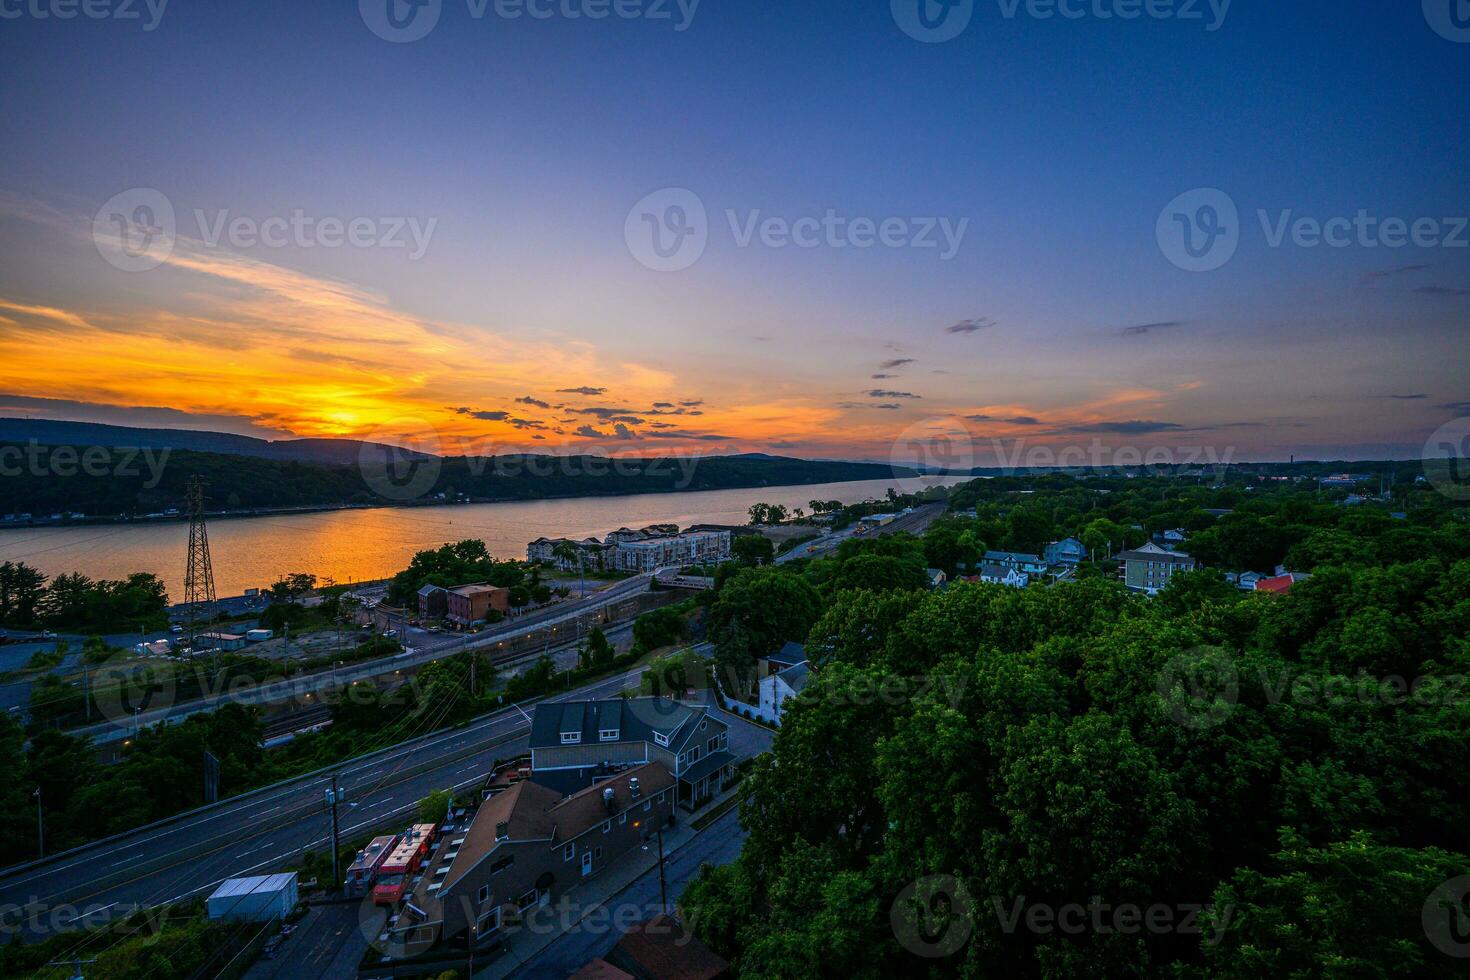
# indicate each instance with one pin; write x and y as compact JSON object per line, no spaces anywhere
{"x":1001,"y":575}
{"x":777,"y":688}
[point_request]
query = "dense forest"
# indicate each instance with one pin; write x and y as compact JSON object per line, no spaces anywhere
{"x":1074,"y":780}
{"x":103,"y":481}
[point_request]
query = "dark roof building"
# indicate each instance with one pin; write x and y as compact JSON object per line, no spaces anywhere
{"x":576,"y":743}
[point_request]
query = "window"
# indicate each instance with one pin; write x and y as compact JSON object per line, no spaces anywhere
{"x":502,"y":864}
{"x":527,"y":900}
{"x":608,"y":735}
{"x":488,"y":922}
{"x":622,"y":818}
{"x":571,"y":738}
{"x":569,"y":852}
{"x":606,"y":826}
{"x":647,"y":805}
{"x":703,"y":725}
{"x":661,"y":739}
{"x":713,"y":744}
{"x":694,"y":754}
{"x":484,"y":895}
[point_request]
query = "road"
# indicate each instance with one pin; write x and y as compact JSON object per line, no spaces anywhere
{"x":719,"y":843}
{"x":176,"y":859}
{"x":424,"y":648}
{"x":914,"y":522}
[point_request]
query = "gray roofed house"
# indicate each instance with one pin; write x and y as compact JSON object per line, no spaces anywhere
{"x":575,"y":743}
{"x":789,"y":655}
{"x":1019,"y":560}
{"x":779,"y":686}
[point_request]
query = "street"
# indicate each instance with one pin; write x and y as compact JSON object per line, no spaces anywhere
{"x":719,"y":843}
{"x":183,"y":856}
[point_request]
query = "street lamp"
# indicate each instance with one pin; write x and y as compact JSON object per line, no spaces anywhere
{"x":663,"y":888}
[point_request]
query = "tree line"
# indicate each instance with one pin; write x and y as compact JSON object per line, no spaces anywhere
{"x":1218,"y":782}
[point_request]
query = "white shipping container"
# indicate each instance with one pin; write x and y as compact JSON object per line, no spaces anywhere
{"x":258,"y":636}
{"x":258,"y":899}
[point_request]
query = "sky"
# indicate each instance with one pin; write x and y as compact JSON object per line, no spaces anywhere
{"x":874,"y":229}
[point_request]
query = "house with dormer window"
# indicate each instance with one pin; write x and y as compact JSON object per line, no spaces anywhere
{"x":575,"y":744}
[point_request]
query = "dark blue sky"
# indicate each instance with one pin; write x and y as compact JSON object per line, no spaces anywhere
{"x":1058,"y":143}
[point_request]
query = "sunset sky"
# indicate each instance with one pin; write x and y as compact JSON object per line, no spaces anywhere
{"x":529,"y":323}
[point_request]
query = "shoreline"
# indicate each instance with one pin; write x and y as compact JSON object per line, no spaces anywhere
{"x":212,"y":515}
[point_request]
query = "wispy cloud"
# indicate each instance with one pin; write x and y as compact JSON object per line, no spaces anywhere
{"x":880,"y":393}
{"x":1374,"y":275}
{"x":1140,"y":329}
{"x":897,"y":362}
{"x":973,"y":325}
{"x":585,"y":390}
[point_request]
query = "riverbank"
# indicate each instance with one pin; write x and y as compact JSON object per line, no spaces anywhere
{"x":353,"y":545}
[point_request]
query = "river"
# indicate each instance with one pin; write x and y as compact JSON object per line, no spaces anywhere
{"x":361,"y":545}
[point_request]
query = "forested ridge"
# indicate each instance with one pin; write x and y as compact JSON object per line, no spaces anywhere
{"x":1075,"y":780}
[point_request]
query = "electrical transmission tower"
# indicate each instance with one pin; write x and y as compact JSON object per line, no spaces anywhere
{"x":199,"y":575}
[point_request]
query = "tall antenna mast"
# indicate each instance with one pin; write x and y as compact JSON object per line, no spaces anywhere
{"x":199,"y":575}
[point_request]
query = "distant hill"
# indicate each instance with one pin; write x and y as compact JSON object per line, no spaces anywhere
{"x":245,"y":474}
{"x":52,"y":432}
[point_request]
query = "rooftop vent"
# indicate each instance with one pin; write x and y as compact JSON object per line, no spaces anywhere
{"x":633,"y":789}
{"x":609,"y":800}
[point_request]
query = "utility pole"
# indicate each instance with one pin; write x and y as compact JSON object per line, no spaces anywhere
{"x":332,"y":800}
{"x":663,"y":888}
{"x":40,"y":826}
{"x":199,"y":571}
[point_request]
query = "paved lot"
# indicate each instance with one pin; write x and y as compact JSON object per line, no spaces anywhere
{"x":719,"y":843}
{"x":325,"y":945}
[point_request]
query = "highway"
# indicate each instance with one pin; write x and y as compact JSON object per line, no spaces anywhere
{"x":187,"y":855}
{"x":914,"y":522}
{"x":427,"y":647}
